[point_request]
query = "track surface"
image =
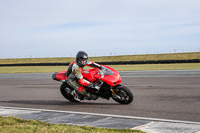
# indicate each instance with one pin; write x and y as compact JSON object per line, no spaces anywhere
{"x":158,"y":94}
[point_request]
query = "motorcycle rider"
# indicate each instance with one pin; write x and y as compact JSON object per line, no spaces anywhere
{"x":75,"y":78}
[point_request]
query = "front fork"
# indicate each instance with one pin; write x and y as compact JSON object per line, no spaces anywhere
{"x":115,"y":93}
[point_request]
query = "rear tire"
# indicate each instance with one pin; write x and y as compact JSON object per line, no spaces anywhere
{"x":66,"y":92}
{"x":126,"y":96}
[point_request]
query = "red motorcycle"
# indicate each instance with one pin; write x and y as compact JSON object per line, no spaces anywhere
{"x":108,"y":79}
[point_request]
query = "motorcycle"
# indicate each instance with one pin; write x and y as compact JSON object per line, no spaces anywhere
{"x":108,"y":80}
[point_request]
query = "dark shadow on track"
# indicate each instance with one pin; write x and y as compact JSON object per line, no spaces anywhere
{"x":54,"y":102}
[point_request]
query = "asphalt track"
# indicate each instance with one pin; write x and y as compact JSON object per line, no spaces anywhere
{"x":158,"y":94}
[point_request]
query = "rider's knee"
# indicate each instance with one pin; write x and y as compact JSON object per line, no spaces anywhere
{"x":82,"y":90}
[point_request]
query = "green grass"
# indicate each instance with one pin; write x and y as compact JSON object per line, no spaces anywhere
{"x":44,"y":69}
{"x":47,"y":69}
{"x":176,"y":56}
{"x":156,"y":67}
{"x":16,"y":125}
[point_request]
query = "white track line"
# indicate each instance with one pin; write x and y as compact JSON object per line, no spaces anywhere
{"x":107,"y":115}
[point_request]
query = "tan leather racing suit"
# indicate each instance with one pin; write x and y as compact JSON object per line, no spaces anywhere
{"x":75,"y":78}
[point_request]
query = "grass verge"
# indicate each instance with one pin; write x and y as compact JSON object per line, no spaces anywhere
{"x":16,"y":125}
{"x":47,"y":69}
{"x":176,"y":56}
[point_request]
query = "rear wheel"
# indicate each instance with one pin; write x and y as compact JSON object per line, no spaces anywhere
{"x":66,"y":92}
{"x":124,"y":95}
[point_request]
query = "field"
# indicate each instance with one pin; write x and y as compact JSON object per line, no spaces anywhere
{"x":51,"y":69}
{"x":137,"y":67}
{"x":177,"y":56}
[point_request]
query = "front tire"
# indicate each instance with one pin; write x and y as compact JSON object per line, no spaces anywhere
{"x":66,"y":92}
{"x":124,"y":95}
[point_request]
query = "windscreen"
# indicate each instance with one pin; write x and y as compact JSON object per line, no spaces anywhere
{"x":106,"y":71}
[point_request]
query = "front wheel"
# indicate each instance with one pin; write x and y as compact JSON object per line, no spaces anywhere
{"x":122,"y":95}
{"x":66,"y":92}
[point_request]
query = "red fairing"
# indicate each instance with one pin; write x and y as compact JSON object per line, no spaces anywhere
{"x":89,"y":74}
{"x":93,"y":75}
{"x":112,"y":80}
{"x":82,"y":82}
{"x":61,"y":76}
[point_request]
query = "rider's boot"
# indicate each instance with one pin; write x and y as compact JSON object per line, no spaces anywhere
{"x":75,"y":96}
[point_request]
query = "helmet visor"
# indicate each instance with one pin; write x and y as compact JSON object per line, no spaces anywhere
{"x":83,"y":61}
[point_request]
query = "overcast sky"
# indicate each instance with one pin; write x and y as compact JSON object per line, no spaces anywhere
{"x":58,"y":28}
